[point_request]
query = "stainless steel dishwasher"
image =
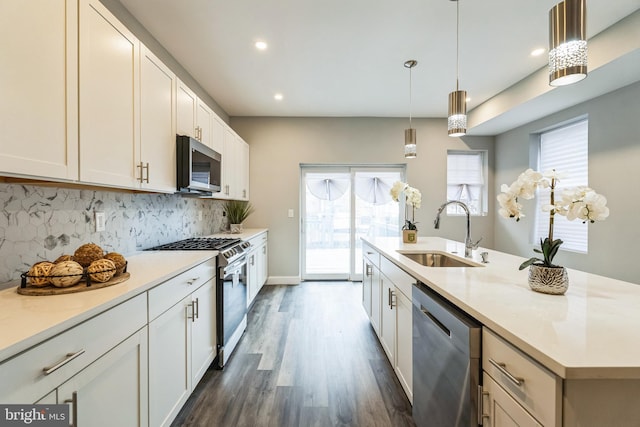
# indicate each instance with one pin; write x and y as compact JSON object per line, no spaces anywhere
{"x":446,"y":362}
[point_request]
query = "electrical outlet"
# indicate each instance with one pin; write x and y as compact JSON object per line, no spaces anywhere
{"x":199,"y":215}
{"x":100,"y":221}
{"x":290,"y":213}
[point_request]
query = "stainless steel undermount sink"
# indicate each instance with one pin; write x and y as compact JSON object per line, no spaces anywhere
{"x":436,"y":259}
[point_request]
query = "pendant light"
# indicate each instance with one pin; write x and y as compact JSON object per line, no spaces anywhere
{"x":457,"y":116}
{"x":410,"y":147}
{"x":567,"y":42}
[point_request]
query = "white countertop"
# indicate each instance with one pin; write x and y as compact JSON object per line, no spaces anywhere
{"x":28,"y":320}
{"x":593,"y":331}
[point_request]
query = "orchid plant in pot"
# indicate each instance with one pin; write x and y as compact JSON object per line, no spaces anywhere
{"x":413,"y":199}
{"x":575,"y":203}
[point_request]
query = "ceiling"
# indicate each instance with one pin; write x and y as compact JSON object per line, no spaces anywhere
{"x":345,"y":57}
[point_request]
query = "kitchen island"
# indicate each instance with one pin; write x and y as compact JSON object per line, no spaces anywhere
{"x":588,"y":338}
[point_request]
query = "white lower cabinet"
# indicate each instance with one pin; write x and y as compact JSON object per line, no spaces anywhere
{"x":181,"y":348}
{"x":112,"y":391}
{"x":501,"y":410}
{"x":518,"y":390}
{"x":257,"y":265}
{"x":404,"y":342}
{"x":388,"y":327}
{"x":386,"y":291}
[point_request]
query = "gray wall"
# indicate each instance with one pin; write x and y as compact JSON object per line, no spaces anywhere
{"x":279,"y":145}
{"x":40,"y":223}
{"x":614,"y":171}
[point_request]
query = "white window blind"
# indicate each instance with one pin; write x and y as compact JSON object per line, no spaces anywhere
{"x":466,"y":181}
{"x":566,"y":150}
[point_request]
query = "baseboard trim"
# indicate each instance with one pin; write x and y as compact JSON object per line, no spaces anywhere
{"x":283,"y":280}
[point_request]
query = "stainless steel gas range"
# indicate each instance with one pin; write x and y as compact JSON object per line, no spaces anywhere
{"x":231,"y":288}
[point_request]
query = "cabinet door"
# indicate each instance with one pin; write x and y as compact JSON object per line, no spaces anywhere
{"x":388,"y":313}
{"x":501,"y":409}
{"x":203,"y":330}
{"x":242,"y":164}
{"x":404,"y":342}
{"x":217,"y":134}
{"x":252,"y":277}
{"x":229,"y":169}
{"x":38,"y":83}
{"x":263,"y":265}
{"x":169,"y":362}
{"x":367,"y":269}
{"x":204,"y":119}
{"x":376,"y":300}
{"x":109,"y":98}
{"x":112,"y":391}
{"x":157,"y":166}
{"x":186,"y":102}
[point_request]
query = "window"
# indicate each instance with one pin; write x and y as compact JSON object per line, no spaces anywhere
{"x":466,"y":178}
{"x":566,"y":150}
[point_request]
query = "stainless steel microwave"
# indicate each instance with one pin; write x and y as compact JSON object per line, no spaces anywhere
{"x":199,"y":167}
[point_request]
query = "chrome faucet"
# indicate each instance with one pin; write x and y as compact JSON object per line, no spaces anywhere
{"x":469,"y":246}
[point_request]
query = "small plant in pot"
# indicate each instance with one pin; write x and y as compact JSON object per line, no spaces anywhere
{"x":575,"y":203}
{"x":237,"y":211}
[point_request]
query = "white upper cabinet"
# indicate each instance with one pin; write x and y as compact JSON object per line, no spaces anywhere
{"x":204,"y":123}
{"x":235,"y":167}
{"x":38,"y":83}
{"x":109,"y":98}
{"x":157,"y":165}
{"x":186,"y":110}
{"x":194,"y":117}
{"x":217,"y":134}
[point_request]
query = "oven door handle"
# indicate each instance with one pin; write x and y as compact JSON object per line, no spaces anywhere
{"x":235,"y":264}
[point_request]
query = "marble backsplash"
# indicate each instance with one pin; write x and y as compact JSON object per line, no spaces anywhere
{"x":40,"y":223}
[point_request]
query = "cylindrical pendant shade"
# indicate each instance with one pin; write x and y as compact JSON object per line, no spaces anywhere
{"x":410,"y":147}
{"x":457,"y":117}
{"x":567,"y":42}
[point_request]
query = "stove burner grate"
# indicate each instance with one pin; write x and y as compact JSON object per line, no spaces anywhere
{"x":198,"y":244}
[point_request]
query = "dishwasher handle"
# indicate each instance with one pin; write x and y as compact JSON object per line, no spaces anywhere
{"x":435,"y":320}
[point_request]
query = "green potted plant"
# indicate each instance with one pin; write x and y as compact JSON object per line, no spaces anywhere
{"x":237,"y":211}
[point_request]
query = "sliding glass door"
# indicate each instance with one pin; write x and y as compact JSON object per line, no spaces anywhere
{"x":339,"y":206}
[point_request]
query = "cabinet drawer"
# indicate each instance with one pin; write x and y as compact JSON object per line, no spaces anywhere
{"x":371,"y":254}
{"x":168,"y":293}
{"x":399,"y":277}
{"x":539,"y":391}
{"x":24,"y":379}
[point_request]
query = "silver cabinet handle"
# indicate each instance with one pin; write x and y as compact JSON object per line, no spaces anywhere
{"x":391,"y":295}
{"x":369,"y":253}
{"x":68,"y":358}
{"x":481,"y":414}
{"x":147,"y":175}
{"x":197,"y":306}
{"x":193,"y":311}
{"x":502,"y":367}
{"x":74,"y":408}
{"x":369,"y":270}
{"x":192,"y":281}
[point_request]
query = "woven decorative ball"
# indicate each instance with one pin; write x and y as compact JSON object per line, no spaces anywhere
{"x":65,"y":274}
{"x":118,"y":260}
{"x":63,"y":258}
{"x":38,"y":274}
{"x":88,"y":253}
{"x":101,"y":270}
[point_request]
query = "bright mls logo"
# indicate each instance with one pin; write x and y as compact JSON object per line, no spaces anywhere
{"x":34,"y":415}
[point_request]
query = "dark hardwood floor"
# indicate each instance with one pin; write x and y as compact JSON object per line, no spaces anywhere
{"x":309,"y":357}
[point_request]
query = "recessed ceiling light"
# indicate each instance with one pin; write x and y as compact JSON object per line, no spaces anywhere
{"x":468,"y":99}
{"x":537,"y":52}
{"x":278,"y":97}
{"x":260,"y":45}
